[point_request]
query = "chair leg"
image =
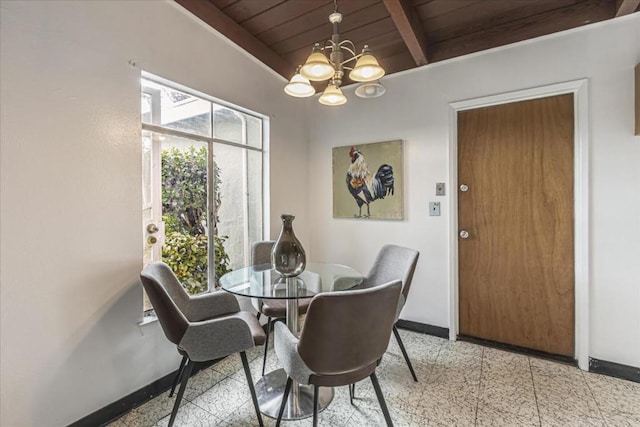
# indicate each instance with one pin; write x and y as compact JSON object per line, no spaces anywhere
{"x":404,"y":352}
{"x":266,"y":345}
{"x":315,"y":405}
{"x":352,"y":392}
{"x":383,"y":405}
{"x":287,"y":390}
{"x":178,"y":377}
{"x":247,"y":372}
{"x":183,"y":385}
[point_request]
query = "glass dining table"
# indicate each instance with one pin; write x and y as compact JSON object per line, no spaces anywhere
{"x":262,"y":281}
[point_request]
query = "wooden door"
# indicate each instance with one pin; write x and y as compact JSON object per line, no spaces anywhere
{"x":516,"y":267}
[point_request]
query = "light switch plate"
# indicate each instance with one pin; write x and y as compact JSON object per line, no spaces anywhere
{"x":439,"y":188}
{"x":434,"y":208}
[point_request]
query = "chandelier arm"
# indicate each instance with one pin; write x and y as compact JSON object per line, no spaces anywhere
{"x":354,"y":58}
{"x":328,"y":44}
{"x":354,"y":55}
{"x":345,"y":42}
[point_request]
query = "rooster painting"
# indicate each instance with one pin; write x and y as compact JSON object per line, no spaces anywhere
{"x":365,"y":187}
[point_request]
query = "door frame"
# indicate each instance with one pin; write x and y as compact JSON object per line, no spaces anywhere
{"x":579,"y":89}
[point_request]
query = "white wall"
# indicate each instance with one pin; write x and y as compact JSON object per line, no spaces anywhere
{"x":71,"y":191}
{"x":415,"y":109}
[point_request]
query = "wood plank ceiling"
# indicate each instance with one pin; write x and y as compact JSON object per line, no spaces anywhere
{"x":403,"y":34}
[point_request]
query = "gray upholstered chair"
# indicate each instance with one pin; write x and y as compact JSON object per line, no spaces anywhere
{"x":271,"y":308}
{"x":394,"y":263}
{"x":204,"y":327}
{"x":344,"y":337}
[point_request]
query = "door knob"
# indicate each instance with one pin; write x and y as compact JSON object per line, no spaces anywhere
{"x":464,"y":234}
{"x":152,"y":240}
{"x":464,"y":187}
{"x":152,"y":228}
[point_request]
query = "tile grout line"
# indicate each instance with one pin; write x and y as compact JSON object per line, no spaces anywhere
{"x":224,"y":377}
{"x":479,"y":388}
{"x":347,"y":422}
{"x":434,"y":364}
{"x":217,"y":417}
{"x":535,"y":394}
{"x":593,"y":395}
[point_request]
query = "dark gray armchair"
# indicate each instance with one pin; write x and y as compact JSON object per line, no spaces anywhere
{"x":394,"y":263}
{"x":344,"y":337}
{"x":204,"y":327}
{"x":272,"y":308}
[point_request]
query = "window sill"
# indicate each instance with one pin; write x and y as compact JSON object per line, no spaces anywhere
{"x":148,"y":319}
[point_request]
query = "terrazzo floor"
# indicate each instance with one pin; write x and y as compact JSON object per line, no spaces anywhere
{"x":460,"y":384}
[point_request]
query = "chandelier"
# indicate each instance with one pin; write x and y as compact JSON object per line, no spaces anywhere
{"x":319,"y":67}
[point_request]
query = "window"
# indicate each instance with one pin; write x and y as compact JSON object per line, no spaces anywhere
{"x":202,"y":183}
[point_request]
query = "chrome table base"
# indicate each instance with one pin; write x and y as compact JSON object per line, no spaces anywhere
{"x":270,"y":389}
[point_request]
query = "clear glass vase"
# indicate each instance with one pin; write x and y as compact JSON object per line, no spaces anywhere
{"x":287,"y":255}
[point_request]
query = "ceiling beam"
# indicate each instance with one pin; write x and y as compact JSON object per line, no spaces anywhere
{"x":408,"y":23}
{"x":211,"y":15}
{"x":625,"y":7}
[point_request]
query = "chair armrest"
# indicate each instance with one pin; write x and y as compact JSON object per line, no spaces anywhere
{"x":206,"y":306}
{"x":216,"y":338}
{"x":286,"y":346}
{"x":343,"y":283}
{"x":365,"y":284}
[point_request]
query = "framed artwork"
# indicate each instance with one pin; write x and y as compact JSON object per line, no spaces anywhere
{"x":368,"y":181}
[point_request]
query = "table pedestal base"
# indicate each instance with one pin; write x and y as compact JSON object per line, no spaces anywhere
{"x":270,"y":389}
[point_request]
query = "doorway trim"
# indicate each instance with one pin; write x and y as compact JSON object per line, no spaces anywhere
{"x":579,"y":89}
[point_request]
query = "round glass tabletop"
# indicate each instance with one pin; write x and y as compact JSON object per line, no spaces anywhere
{"x":262,"y":281}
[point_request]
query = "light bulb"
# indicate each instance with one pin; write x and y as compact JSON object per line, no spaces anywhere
{"x":367,"y":68}
{"x":299,"y":86}
{"x":332,"y":96}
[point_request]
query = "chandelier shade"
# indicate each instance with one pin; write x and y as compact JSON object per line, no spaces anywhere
{"x":332,"y":95}
{"x":370,"y":90}
{"x":299,"y":87}
{"x":317,"y":66}
{"x":329,"y":62}
{"x":367,"y":68}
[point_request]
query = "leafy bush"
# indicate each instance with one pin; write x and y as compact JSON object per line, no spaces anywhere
{"x":187,"y":256}
{"x":184,"y":207}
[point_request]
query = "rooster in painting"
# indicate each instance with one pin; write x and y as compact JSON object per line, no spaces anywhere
{"x":363,"y":186}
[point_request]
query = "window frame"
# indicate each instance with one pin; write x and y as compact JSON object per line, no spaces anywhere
{"x":241,"y":113}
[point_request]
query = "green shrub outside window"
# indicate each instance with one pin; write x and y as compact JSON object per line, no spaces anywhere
{"x":184,"y":212}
